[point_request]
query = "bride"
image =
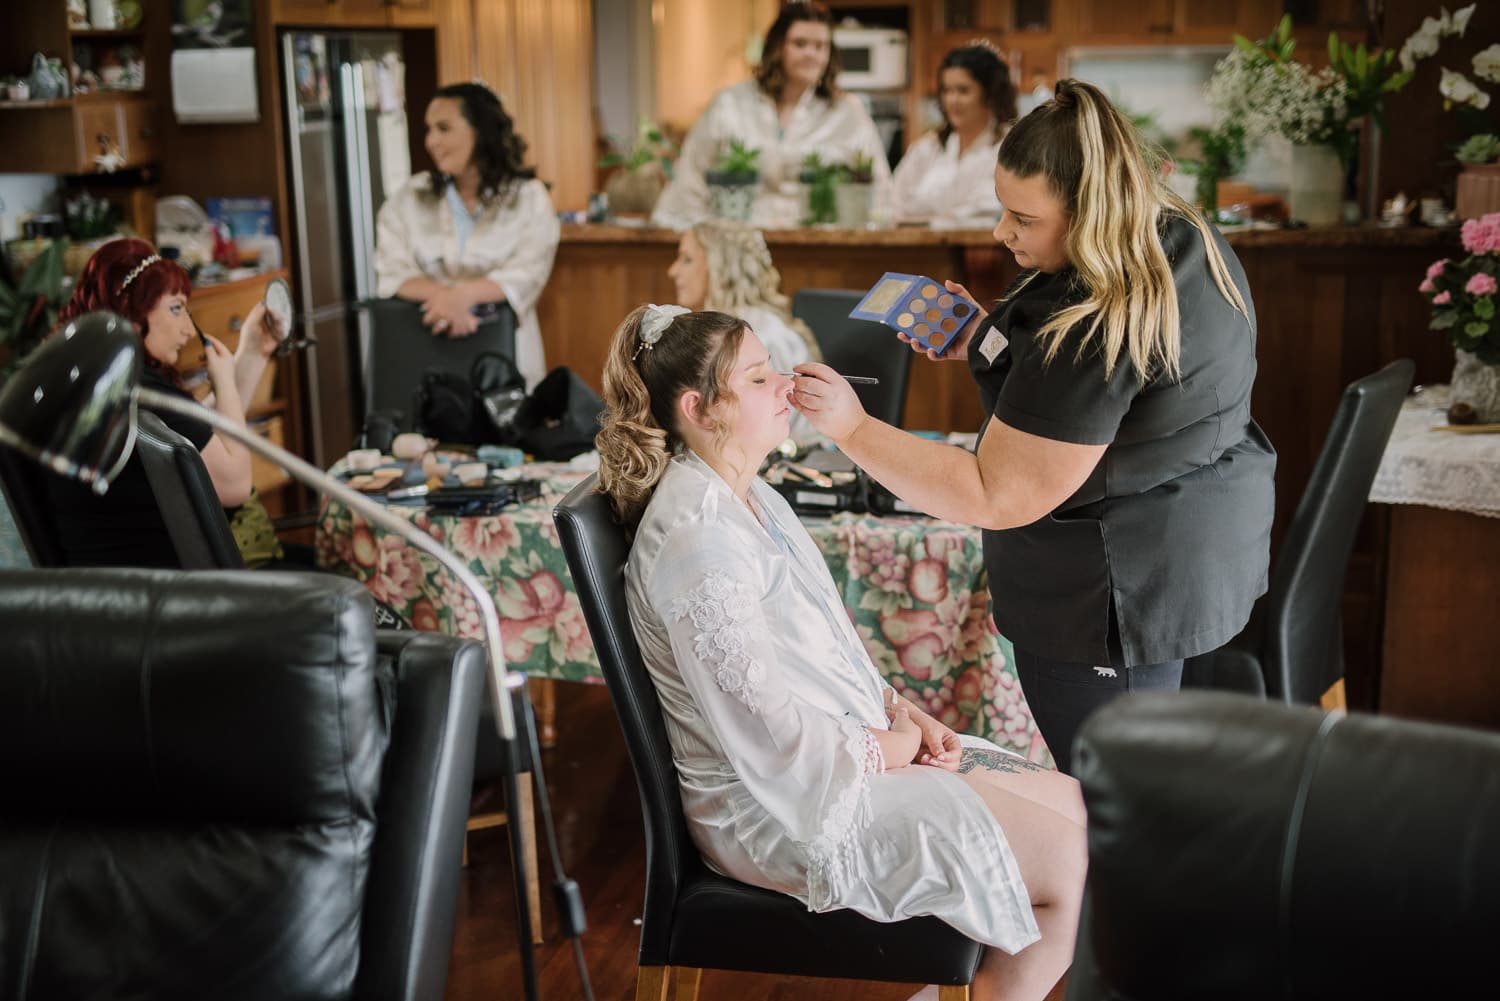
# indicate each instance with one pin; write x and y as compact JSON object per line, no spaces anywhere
{"x":800,"y":769}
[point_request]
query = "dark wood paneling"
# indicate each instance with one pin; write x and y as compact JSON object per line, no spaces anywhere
{"x":1441,"y":631}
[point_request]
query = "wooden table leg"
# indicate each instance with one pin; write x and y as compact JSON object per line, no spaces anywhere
{"x":544,"y":701}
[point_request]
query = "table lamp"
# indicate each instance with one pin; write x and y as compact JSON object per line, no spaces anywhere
{"x":71,"y":407}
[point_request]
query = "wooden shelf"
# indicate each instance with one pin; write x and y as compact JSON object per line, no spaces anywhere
{"x":115,"y":94}
{"x":58,"y":102}
{"x":105,"y":33}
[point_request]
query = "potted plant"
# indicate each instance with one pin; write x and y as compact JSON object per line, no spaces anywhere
{"x":1221,"y":154}
{"x":819,"y":179}
{"x":646,"y":168}
{"x":1463,"y":295}
{"x":855,"y":190}
{"x":732,"y":181}
{"x":29,"y":305}
{"x":1479,"y":179}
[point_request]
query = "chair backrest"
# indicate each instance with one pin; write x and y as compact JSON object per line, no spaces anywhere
{"x":23,"y":483}
{"x":186,"y":498}
{"x":858,"y":347}
{"x":218,"y":787}
{"x":1241,"y":850}
{"x":1303,"y":645}
{"x":401,"y":349}
{"x":596,"y":549}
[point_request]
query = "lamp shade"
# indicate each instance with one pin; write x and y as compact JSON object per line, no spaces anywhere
{"x":69,"y":406}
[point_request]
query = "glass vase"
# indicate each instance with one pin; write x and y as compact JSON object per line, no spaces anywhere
{"x":1316,"y":191}
{"x":1476,"y":383}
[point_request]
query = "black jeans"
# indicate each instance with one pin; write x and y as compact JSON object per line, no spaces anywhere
{"x":1062,"y":695}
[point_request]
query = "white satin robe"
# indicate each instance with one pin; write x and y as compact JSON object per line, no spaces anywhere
{"x":936,"y":184}
{"x":834,"y":129}
{"x":769,"y":699}
{"x":513,"y":244}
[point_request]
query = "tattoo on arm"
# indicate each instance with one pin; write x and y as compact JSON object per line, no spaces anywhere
{"x":995,"y":761}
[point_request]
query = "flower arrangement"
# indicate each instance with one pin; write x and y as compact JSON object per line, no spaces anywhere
{"x":1463,"y":292}
{"x":1457,"y":90}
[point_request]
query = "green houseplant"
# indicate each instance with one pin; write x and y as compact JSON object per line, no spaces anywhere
{"x":645,"y":168}
{"x":819,"y":179}
{"x":1221,"y":154}
{"x":855,"y":191}
{"x":29,"y":305}
{"x":732,"y":181}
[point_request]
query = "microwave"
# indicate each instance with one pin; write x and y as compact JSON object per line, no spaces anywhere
{"x":872,"y":58}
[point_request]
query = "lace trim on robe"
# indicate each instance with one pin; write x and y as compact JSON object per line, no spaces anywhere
{"x":720,"y":611}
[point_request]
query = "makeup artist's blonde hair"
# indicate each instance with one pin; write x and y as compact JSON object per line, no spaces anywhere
{"x":1117,"y":205}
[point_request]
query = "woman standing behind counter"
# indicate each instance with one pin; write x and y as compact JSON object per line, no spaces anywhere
{"x":478,"y":228}
{"x":948,"y":176}
{"x":790,"y":109}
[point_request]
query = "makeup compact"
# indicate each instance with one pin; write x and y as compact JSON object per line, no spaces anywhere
{"x":919,"y":307}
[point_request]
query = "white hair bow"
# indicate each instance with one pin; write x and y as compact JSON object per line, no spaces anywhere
{"x":655,"y":322}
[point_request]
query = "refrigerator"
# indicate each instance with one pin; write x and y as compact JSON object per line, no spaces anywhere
{"x":348,"y":148}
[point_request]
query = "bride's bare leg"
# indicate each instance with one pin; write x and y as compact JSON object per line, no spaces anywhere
{"x":1054,"y":790}
{"x":1052,"y":854}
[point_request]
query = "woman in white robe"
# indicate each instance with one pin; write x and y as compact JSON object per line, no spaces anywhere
{"x":790,"y":109}
{"x":726,"y":266}
{"x":947,"y":177}
{"x":479,"y":228}
{"x":794,"y":776}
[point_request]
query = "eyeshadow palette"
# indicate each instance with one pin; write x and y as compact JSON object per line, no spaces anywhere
{"x":918,"y":307}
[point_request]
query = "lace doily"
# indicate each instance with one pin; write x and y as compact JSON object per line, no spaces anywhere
{"x":1442,"y":469}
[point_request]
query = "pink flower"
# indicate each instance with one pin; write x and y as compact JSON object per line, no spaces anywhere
{"x":1481,"y":284}
{"x":1442,"y":299}
{"x":1482,"y":236}
{"x":1436,"y":269}
{"x":1426,"y":285}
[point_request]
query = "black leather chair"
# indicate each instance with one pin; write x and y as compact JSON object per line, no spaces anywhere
{"x":1240,"y":850}
{"x":401,"y":349}
{"x":1292,"y":649}
{"x":226,"y":785}
{"x":858,"y":347}
{"x":695,"y":919}
{"x":190,"y":508}
{"x":185,"y":496}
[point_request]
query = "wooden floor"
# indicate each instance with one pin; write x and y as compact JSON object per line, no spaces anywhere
{"x":603,"y":846}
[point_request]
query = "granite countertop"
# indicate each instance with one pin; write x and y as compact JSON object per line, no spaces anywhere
{"x":1331,"y":237}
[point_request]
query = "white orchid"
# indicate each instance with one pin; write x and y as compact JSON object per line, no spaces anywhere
{"x":1487,"y":64}
{"x":1460,"y":20}
{"x":1458,"y":89}
{"x":1425,"y":40}
{"x":1419,"y":46}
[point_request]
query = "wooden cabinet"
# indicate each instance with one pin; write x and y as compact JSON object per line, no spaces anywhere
{"x":354,"y":13}
{"x":1105,"y":22}
{"x":1170,"y":22}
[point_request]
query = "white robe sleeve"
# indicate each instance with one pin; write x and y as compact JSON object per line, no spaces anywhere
{"x":807,"y":768}
{"x":867,"y":141}
{"x":524,"y":272}
{"x":395,"y":250}
{"x":684,"y":201}
{"x":909,"y":175}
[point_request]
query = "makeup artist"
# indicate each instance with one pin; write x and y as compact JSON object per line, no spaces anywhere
{"x":124,"y":527}
{"x":1125,"y":491}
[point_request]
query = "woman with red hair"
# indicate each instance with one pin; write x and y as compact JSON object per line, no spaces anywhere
{"x":129,"y":278}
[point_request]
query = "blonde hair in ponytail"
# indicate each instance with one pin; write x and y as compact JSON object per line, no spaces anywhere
{"x":642,"y":384}
{"x":1105,"y":175}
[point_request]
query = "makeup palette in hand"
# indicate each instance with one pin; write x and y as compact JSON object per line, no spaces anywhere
{"x":918,"y":307}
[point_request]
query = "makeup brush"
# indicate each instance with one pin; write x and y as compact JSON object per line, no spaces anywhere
{"x":856,"y":380}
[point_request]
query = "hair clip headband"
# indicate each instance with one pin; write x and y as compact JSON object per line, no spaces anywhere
{"x":136,"y":272}
{"x":655,"y":323}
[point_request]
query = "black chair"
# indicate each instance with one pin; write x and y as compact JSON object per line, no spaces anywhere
{"x":185,"y":496}
{"x":1241,"y":850}
{"x":226,"y":784}
{"x":179,"y":481}
{"x":1292,"y":649}
{"x":695,"y":919}
{"x":401,"y":349}
{"x":858,"y":347}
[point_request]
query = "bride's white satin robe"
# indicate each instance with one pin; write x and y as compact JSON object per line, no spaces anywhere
{"x":769,"y":698}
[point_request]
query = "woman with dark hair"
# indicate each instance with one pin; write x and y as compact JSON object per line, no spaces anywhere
{"x":789,"y":109}
{"x":129,"y":278}
{"x":478,"y":228}
{"x":948,"y":176}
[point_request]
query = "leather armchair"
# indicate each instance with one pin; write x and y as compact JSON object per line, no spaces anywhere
{"x":226,"y":785}
{"x":1245,"y":850}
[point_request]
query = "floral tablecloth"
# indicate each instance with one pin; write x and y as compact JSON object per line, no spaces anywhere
{"x":915,"y":589}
